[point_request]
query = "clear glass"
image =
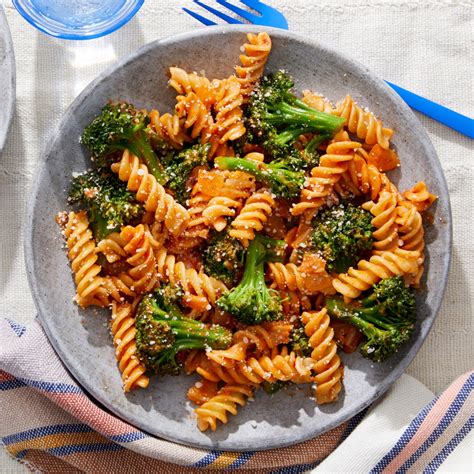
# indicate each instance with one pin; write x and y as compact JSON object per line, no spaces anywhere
{"x":77,"y":19}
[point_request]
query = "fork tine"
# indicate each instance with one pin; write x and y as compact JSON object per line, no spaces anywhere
{"x":243,"y":13}
{"x":200,"y":18}
{"x":219,"y":14}
{"x":270,"y":16}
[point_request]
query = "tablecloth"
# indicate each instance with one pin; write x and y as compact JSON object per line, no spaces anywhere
{"x":422,"y":45}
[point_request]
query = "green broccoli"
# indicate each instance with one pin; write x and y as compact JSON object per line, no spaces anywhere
{"x":108,"y":203}
{"x":162,"y":331}
{"x":120,"y":126}
{"x":278,"y":175}
{"x":341,"y":235}
{"x":386,"y":317}
{"x":179,"y":167}
{"x":276,"y":118}
{"x":251,"y":301}
{"x":299,"y":342}
{"x":223,"y":258}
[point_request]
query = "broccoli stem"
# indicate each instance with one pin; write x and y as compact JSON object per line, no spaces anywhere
{"x":251,"y":301}
{"x":283,"y":181}
{"x":290,"y":135}
{"x":191,"y":330}
{"x":301,"y":114}
{"x":363,"y":319}
{"x":255,"y":168}
{"x":141,"y":147}
{"x":368,"y":313}
{"x":254,"y":269}
{"x":316,"y":141}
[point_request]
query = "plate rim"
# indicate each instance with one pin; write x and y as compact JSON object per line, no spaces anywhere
{"x":396,"y":372}
{"x":12,"y":66}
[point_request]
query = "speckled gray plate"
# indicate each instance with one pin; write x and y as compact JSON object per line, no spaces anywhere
{"x":81,"y":338}
{"x":7,"y":78}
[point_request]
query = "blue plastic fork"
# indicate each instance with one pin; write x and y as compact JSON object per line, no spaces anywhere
{"x":269,"y":16}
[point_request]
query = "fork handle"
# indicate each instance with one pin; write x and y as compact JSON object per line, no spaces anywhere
{"x":448,"y":117}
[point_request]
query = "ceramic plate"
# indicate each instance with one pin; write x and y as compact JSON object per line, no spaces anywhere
{"x":82,"y":339}
{"x":7,"y":78}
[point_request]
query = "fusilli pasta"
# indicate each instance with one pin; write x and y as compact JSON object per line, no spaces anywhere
{"x":253,"y":215}
{"x":200,"y":289}
{"x":226,"y":401}
{"x":385,"y":214}
{"x":82,"y":252}
{"x":257,"y":50}
{"x":123,"y":332}
{"x":151,"y":193}
{"x":369,"y":272}
{"x":327,"y":363}
{"x":363,"y":123}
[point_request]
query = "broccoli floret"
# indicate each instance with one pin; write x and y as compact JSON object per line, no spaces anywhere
{"x":278,"y":175}
{"x":108,"y":203}
{"x":223,"y":258}
{"x":251,"y":301}
{"x":162,"y":331}
{"x":276,"y":118}
{"x":341,"y":235}
{"x":299,"y":342}
{"x":386,"y":317}
{"x":179,"y":167}
{"x":120,"y":126}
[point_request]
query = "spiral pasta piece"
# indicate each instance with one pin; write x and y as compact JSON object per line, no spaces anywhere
{"x":82,"y":253}
{"x":227,"y":357}
{"x":252,"y":217}
{"x":184,"y":83}
{"x":123,"y":332}
{"x":229,"y":124}
{"x":216,"y":195}
{"x":309,"y":278}
{"x":197,"y":117}
{"x":412,"y":234}
{"x":363,"y":123}
{"x":327,"y":363}
{"x":363,"y":178}
{"x":197,"y":229}
{"x":384,"y":221}
{"x":201,"y":290}
{"x":420,"y":196}
{"x":282,"y":366}
{"x":118,"y":288}
{"x":320,"y":184}
{"x":219,"y":209}
{"x":169,"y":127}
{"x":257,"y":50}
{"x":151,"y":193}
{"x":202,"y":391}
{"x":141,"y":258}
{"x":378,"y":267}
{"x":278,"y":365}
{"x":112,"y":247}
{"x":217,"y":408}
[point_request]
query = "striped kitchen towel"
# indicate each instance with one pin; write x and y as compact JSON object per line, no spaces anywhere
{"x":51,"y":425}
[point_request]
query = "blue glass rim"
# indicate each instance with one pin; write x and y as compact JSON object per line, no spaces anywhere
{"x":59,"y":30}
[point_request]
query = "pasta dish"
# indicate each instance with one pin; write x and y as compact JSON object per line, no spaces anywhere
{"x":247,"y":236}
